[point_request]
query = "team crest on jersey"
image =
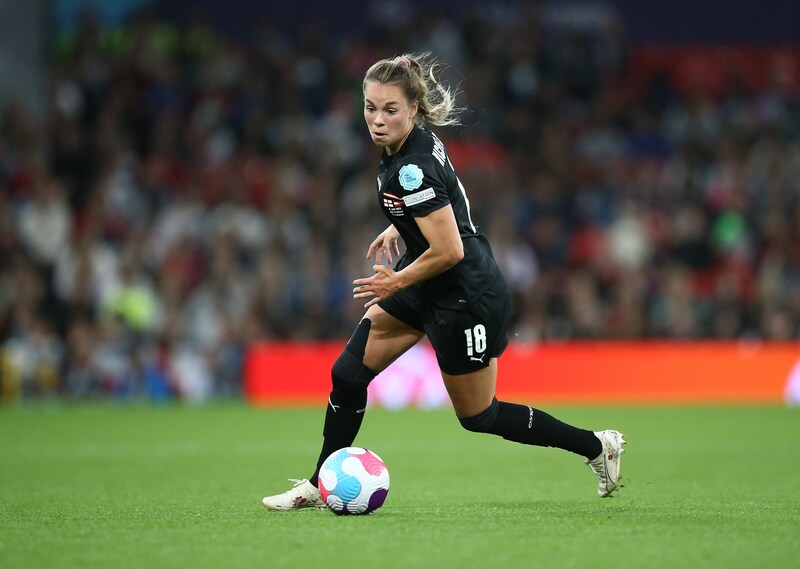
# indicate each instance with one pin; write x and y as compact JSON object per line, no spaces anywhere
{"x":410,"y":177}
{"x":393,"y":204}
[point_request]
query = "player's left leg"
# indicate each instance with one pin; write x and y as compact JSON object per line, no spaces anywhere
{"x":473,"y":398}
{"x":468,"y":343}
{"x":478,"y":410}
{"x":474,"y":402}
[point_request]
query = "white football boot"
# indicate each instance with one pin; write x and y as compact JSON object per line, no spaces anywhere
{"x":302,"y":495}
{"x":607,"y":465}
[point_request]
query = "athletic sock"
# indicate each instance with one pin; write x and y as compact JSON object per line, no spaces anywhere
{"x":523,"y":424}
{"x":348,"y":399}
{"x":343,"y":419}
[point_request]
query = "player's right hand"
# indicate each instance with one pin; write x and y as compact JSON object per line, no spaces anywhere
{"x":385,"y":244}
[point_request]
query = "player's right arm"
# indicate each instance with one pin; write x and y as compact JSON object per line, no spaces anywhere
{"x":447,"y":249}
{"x":385,"y":244}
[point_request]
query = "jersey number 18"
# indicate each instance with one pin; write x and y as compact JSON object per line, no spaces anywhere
{"x":476,"y":339}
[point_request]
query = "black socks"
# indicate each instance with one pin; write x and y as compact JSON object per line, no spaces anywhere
{"x":342,"y":421}
{"x":526,"y":425}
{"x":348,"y":399}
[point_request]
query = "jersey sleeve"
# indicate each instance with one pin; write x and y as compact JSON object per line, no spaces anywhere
{"x":422,"y":184}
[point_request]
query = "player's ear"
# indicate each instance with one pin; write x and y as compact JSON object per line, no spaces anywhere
{"x":414,"y":109}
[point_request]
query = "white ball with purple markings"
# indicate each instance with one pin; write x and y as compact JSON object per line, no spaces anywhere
{"x":353,"y":480}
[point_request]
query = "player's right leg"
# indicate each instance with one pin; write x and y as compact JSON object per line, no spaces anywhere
{"x":378,"y":340}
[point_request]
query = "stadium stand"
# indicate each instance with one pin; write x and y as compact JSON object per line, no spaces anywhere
{"x":188,"y":194}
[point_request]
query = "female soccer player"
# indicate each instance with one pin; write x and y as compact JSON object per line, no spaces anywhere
{"x":447,"y":286}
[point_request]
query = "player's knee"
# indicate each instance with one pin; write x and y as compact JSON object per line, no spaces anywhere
{"x":357,"y":344}
{"x":349,"y":374}
{"x":482,"y":422}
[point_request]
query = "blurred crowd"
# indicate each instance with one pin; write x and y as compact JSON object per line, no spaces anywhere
{"x":187,"y":194}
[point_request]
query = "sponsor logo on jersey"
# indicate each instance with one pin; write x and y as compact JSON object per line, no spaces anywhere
{"x":419,"y":197}
{"x":410,"y":177}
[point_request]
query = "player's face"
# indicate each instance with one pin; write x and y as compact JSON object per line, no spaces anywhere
{"x":389,"y":115}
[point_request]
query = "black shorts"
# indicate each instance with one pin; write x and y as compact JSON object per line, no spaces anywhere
{"x":464,"y":339}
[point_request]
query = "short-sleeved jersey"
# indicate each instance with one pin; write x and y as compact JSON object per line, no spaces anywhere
{"x":415,"y":181}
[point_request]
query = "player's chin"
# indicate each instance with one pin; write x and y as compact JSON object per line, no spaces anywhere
{"x":380,"y":139}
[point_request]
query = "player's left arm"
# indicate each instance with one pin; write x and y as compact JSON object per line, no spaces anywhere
{"x":444,"y":251}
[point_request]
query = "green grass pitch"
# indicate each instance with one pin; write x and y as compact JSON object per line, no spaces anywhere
{"x":113,"y":487}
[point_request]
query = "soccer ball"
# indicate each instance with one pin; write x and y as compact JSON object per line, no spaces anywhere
{"x":353,"y":480}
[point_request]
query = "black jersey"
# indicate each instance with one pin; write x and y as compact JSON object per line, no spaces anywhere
{"x":415,"y":181}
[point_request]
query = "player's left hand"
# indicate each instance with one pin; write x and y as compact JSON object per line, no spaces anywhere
{"x":378,"y":287}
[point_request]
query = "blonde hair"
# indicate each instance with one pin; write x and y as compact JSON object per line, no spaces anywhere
{"x":417,"y":76}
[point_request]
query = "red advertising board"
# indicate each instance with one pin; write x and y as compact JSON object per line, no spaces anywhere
{"x":570,"y":373}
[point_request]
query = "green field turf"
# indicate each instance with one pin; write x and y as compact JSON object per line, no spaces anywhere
{"x":112,"y":487}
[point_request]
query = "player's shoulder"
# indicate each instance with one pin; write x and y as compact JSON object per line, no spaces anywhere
{"x":424,"y":150}
{"x":423,"y":142}
{"x":421,"y":158}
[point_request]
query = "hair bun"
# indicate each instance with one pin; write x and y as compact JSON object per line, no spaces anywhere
{"x":402,"y":61}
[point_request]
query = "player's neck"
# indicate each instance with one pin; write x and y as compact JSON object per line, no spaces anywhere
{"x":401,"y":142}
